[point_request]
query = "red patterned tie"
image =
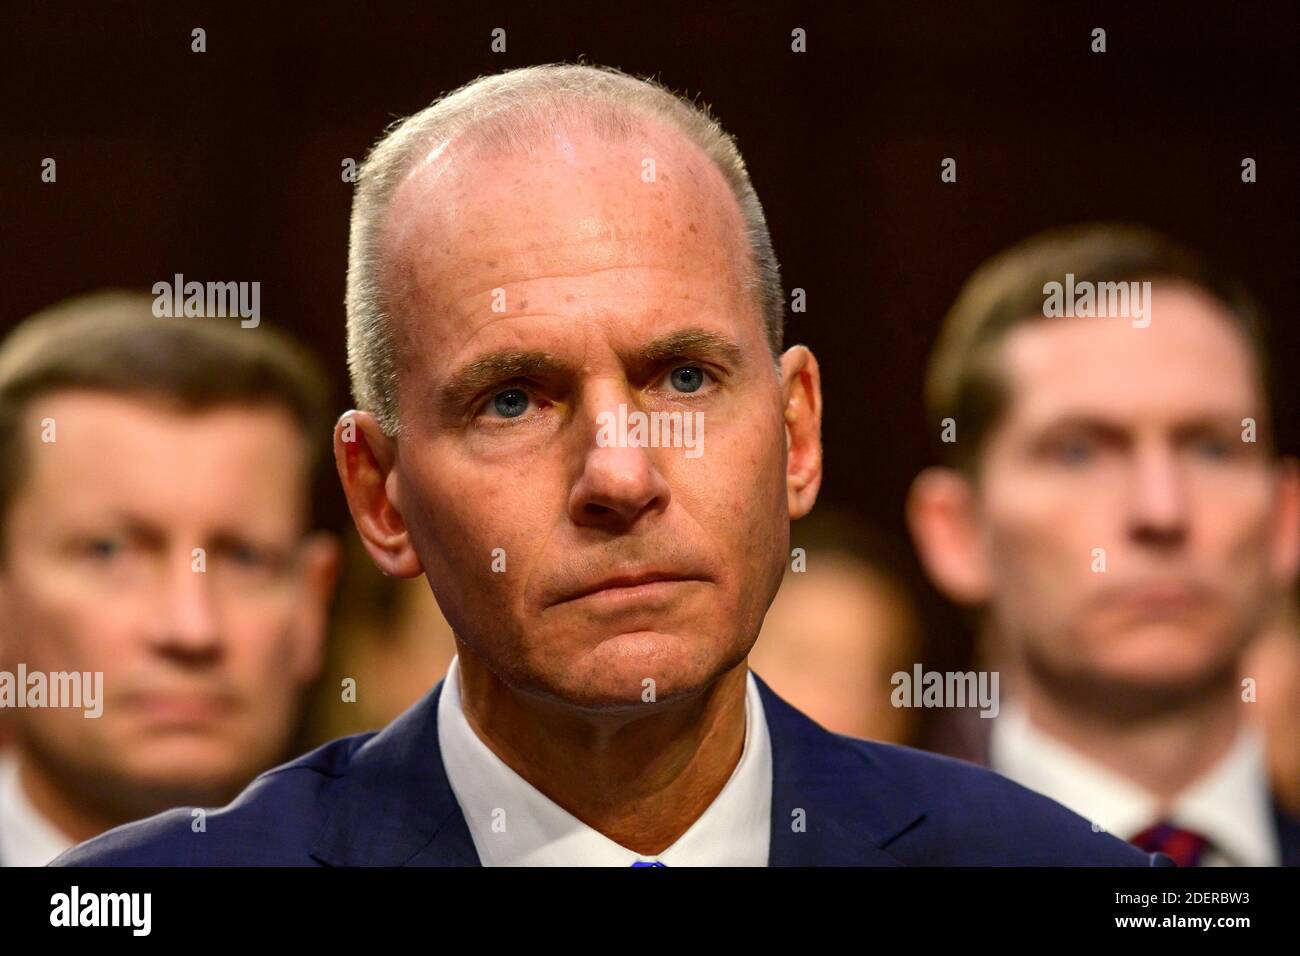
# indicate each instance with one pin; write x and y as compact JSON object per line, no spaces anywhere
{"x":1184,"y":847}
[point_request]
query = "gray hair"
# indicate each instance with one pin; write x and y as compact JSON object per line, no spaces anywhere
{"x":503,"y":111}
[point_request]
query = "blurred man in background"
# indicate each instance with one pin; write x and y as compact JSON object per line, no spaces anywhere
{"x":1114,"y":501}
{"x":154,"y":487}
{"x":389,"y":643}
{"x":842,"y":624}
{"x":1273,"y":665}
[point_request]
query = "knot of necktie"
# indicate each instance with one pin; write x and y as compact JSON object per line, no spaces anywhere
{"x":1184,"y":847}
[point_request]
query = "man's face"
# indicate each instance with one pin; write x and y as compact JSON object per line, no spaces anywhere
{"x":202,"y":668}
{"x":1131,"y":535}
{"x":537,"y":293}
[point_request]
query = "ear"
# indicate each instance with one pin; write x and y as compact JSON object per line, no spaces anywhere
{"x":319,"y":558}
{"x":801,"y":396}
{"x":1286,"y":523}
{"x":365,"y":458}
{"x":944,"y":521}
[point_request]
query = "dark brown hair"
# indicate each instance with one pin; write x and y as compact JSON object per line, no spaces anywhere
{"x":112,"y":342}
{"x":964,"y":380}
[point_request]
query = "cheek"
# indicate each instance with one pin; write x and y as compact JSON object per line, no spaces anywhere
{"x":472,"y":507}
{"x":1234,"y":550}
{"x":1041,"y":561}
{"x":65,"y":628}
{"x":1234,"y":521}
{"x":1031,"y":541}
{"x":259,"y":638}
{"x":736,"y":491}
{"x":751,"y":466}
{"x":478,"y":535}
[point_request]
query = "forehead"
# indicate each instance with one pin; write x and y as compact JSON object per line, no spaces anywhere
{"x":579,"y":225}
{"x":230,"y":461}
{"x":1192,"y":359}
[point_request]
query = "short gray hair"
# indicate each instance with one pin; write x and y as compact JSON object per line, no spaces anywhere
{"x":503,"y":110}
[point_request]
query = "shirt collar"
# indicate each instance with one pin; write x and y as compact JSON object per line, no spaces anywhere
{"x":26,"y":837}
{"x":1230,"y":804}
{"x":513,"y":823}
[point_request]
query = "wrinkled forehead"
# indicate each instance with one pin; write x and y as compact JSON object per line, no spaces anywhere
{"x":470,"y":219}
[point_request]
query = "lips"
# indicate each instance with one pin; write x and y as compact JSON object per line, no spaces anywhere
{"x":179,"y":707}
{"x":1160,"y":598}
{"x":647,"y":583}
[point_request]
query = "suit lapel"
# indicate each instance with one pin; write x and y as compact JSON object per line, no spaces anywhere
{"x":395,"y":806}
{"x":831,"y":803}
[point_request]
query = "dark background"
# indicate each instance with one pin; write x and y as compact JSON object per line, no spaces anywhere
{"x":226,"y":165}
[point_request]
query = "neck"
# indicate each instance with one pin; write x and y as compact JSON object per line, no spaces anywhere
{"x":1162,"y":750}
{"x":640,"y":780}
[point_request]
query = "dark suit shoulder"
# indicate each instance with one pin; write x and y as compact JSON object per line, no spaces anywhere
{"x":1288,"y":835}
{"x":975,"y":817}
{"x":273,"y":820}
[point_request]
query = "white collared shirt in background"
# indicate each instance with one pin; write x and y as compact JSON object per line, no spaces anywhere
{"x":532,"y":830}
{"x":26,"y":837}
{"x":1230,"y":805}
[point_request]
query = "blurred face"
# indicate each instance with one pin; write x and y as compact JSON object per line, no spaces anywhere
{"x":834,"y":637}
{"x":201,"y":669}
{"x":405,"y":656}
{"x":538,"y":293}
{"x":1273,"y":663}
{"x":1130,"y":440}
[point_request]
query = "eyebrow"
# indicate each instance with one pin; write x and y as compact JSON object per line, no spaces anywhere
{"x":1055,"y":427}
{"x":494,"y":368}
{"x":124,"y":524}
{"x":1193,"y":427}
{"x":691,"y":343}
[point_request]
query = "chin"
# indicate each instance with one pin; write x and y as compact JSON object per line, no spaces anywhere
{"x":203,"y":764}
{"x":1166,"y":660}
{"x":615,"y":670}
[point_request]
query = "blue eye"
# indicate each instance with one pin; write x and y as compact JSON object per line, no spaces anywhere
{"x":1074,"y":452}
{"x":103,"y":548}
{"x":1214,"y":449}
{"x":247,"y":556}
{"x":688,"y":378}
{"x":511,"y":403}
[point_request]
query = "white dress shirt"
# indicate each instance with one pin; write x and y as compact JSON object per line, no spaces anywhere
{"x":512,"y":823}
{"x":26,"y":837}
{"x":1230,"y":805}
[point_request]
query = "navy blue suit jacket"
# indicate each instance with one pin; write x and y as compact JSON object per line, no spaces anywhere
{"x":966,"y":736}
{"x":382,"y":799}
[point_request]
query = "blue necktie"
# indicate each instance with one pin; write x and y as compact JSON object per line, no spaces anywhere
{"x":648,"y":863}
